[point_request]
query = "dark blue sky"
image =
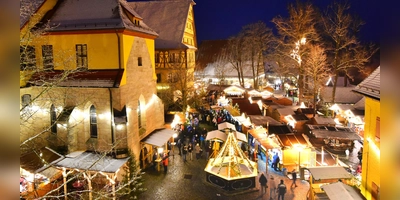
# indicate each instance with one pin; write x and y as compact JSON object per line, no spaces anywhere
{"x":220,"y":19}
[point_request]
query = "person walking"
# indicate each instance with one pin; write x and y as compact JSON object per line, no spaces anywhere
{"x":190,"y":150}
{"x":281,"y":190}
{"x":197,"y":150}
{"x":154,"y":161}
{"x":165,"y":162}
{"x":272,"y":188}
{"x":263,"y":182}
{"x":184,"y":152}
{"x":179,"y":145}
{"x":294,"y":178}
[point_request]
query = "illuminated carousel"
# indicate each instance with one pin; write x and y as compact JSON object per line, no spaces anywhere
{"x":231,"y":169}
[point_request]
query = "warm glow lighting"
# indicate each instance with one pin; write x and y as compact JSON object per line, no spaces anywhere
{"x":160,"y":150}
{"x":120,"y":127}
{"x":175,"y":135}
{"x":374,"y":147}
{"x":302,"y":105}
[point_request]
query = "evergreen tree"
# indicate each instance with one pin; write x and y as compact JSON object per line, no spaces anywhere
{"x":132,"y":182}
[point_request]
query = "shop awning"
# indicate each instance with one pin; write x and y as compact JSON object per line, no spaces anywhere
{"x":91,"y":162}
{"x":329,"y":172}
{"x":158,"y":137}
{"x":340,"y":191}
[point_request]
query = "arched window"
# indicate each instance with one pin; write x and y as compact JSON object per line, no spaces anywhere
{"x":53,"y":119}
{"x":93,"y":122}
{"x":139,"y":111}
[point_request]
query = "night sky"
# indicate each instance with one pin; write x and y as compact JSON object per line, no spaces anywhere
{"x":220,"y":19}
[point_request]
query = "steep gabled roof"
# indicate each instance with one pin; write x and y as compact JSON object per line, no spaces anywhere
{"x":342,"y":95}
{"x":27,"y":9}
{"x":167,"y":18}
{"x":70,"y":15}
{"x":371,"y":86}
{"x":208,"y":52}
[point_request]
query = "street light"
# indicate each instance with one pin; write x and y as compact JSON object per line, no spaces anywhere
{"x":299,"y":148}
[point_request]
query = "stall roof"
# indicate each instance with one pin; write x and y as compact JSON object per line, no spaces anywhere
{"x":158,"y":137}
{"x":324,"y":120}
{"x":340,"y":191}
{"x":92,"y":162}
{"x":226,"y":125}
{"x":216,"y":134}
{"x":292,"y":139}
{"x":279,"y":129}
{"x":35,"y":160}
{"x":260,"y":120}
{"x":329,"y":172}
{"x":320,"y":131}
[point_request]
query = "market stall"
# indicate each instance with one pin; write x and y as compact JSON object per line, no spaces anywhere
{"x":321,"y":176}
{"x":38,"y":176}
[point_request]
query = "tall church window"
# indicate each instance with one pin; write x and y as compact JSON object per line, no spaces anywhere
{"x":139,"y":111}
{"x":93,"y":122}
{"x":53,"y":119}
{"x":27,"y":57}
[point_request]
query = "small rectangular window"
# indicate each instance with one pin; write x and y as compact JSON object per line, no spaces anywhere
{"x":139,"y":61}
{"x":27,"y":57}
{"x":47,"y":55}
{"x":157,"y":57}
{"x":158,"y":78}
{"x":25,"y":100}
{"x":81,"y":56}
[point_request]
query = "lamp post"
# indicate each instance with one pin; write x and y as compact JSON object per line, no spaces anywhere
{"x":299,"y":148}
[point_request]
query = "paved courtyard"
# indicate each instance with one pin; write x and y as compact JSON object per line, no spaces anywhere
{"x":187,"y":180}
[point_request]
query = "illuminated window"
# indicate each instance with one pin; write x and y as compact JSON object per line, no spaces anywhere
{"x":139,"y":111}
{"x":81,"y":56}
{"x":139,"y":61}
{"x":27,"y":57}
{"x":53,"y":119}
{"x":47,"y":55}
{"x":93,"y":122}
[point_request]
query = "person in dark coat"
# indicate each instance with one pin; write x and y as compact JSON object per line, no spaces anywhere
{"x":263,"y":182}
{"x":294,"y":178}
{"x":281,"y":190}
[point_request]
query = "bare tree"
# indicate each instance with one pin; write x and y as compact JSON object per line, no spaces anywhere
{"x":294,"y":35}
{"x":221,"y":65}
{"x":317,"y":71}
{"x":236,"y":55}
{"x":344,"y":50}
{"x":257,"y":38}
